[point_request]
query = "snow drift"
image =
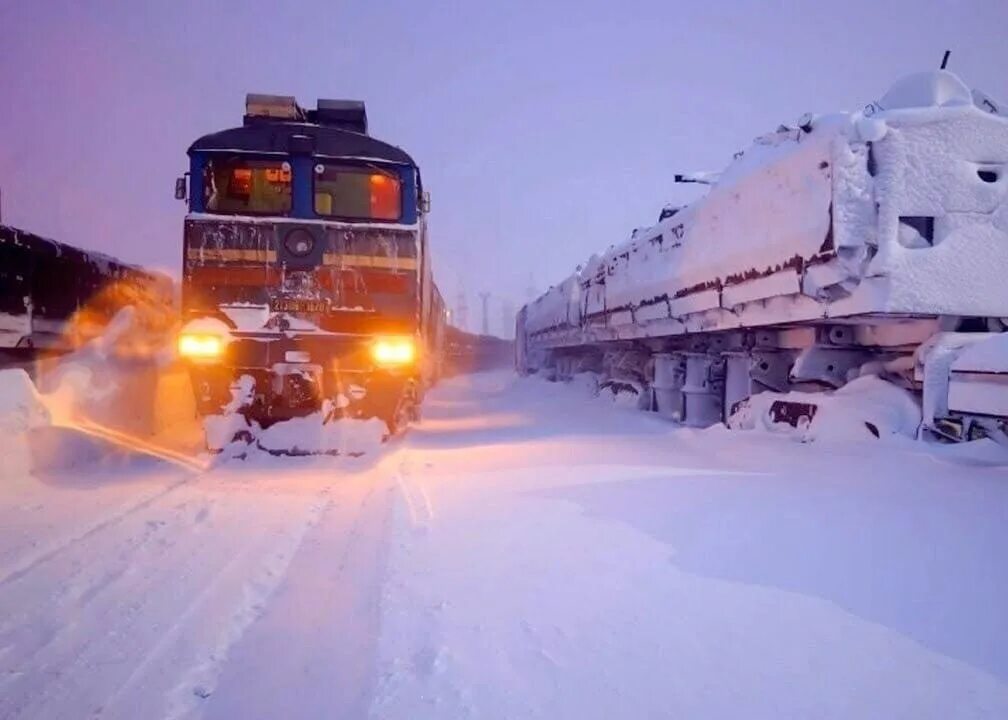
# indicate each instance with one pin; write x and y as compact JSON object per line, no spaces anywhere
{"x":314,"y":434}
{"x":21,"y":410}
{"x":867,"y":407}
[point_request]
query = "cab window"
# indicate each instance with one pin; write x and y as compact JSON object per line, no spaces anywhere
{"x":359,"y":193}
{"x":239,"y":185}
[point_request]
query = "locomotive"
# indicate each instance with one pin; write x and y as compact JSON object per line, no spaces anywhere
{"x":841,"y":246}
{"x":307,"y":286}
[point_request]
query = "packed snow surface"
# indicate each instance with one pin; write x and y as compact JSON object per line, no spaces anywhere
{"x":529,"y":550}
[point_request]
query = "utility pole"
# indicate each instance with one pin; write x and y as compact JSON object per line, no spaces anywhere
{"x":485,"y":297}
{"x":1,"y":206}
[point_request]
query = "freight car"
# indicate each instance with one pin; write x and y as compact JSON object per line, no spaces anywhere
{"x":54,"y":297}
{"x":307,"y":286}
{"x":838,"y":246}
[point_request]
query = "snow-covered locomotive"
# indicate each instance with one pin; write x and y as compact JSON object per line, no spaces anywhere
{"x":852,"y":244}
{"x":307,"y":284}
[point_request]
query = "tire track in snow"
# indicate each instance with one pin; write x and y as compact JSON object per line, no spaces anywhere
{"x":243,"y":557}
{"x":243,"y":615}
{"x":74,"y":599}
{"x":320,"y":630}
{"x":66,"y":648}
{"x":26,"y":566}
{"x":202,"y":679}
{"x":418,"y":503}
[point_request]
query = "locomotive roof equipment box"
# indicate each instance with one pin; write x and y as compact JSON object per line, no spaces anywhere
{"x":344,"y":114}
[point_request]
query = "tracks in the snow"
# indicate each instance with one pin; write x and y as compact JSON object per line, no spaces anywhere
{"x":220,"y":594}
{"x":320,"y":629}
{"x":18,"y":570}
{"x":134,"y":615}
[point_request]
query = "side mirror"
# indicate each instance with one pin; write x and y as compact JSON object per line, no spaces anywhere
{"x":425,"y":202}
{"x":180,"y":188}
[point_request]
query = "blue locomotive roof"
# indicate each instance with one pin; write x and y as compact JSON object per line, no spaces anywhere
{"x":276,"y":137}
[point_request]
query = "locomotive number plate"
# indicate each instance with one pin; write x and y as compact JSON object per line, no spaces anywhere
{"x":298,"y":306}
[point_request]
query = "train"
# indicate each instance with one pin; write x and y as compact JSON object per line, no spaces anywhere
{"x":55,"y":297}
{"x":467,"y":352}
{"x":307,"y":283}
{"x":838,"y":246}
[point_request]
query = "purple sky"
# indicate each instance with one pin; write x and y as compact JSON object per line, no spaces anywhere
{"x":545,"y":130}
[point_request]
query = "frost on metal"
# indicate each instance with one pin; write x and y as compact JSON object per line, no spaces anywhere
{"x":238,"y":268}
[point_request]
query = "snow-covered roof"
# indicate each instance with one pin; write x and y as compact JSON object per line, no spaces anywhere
{"x":937,"y":88}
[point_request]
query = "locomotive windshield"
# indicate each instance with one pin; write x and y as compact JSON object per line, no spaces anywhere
{"x":239,"y":185}
{"x":363,"y":193}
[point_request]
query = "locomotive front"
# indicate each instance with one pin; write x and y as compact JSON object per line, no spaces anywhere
{"x":306,"y":282}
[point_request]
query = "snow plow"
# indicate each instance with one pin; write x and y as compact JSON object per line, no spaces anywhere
{"x":838,"y":247}
{"x":307,"y":293}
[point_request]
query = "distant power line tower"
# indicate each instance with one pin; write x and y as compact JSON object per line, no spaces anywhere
{"x":485,"y":297}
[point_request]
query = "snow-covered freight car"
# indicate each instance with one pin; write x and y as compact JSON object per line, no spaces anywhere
{"x":55,"y":297}
{"x":850,"y":244}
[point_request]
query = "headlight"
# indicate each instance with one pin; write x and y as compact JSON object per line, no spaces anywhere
{"x":394,"y":351}
{"x":200,"y":347}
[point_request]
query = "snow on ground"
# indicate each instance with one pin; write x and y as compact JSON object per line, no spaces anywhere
{"x":20,"y":410}
{"x":866,"y":406}
{"x":526,"y":551}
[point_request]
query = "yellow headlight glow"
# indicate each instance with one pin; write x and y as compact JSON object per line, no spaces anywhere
{"x":394,"y":351}
{"x":200,"y":347}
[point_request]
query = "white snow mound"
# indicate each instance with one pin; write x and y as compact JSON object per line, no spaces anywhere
{"x":846,"y":414}
{"x":937,"y":88}
{"x":21,"y":409}
{"x":309,"y":434}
